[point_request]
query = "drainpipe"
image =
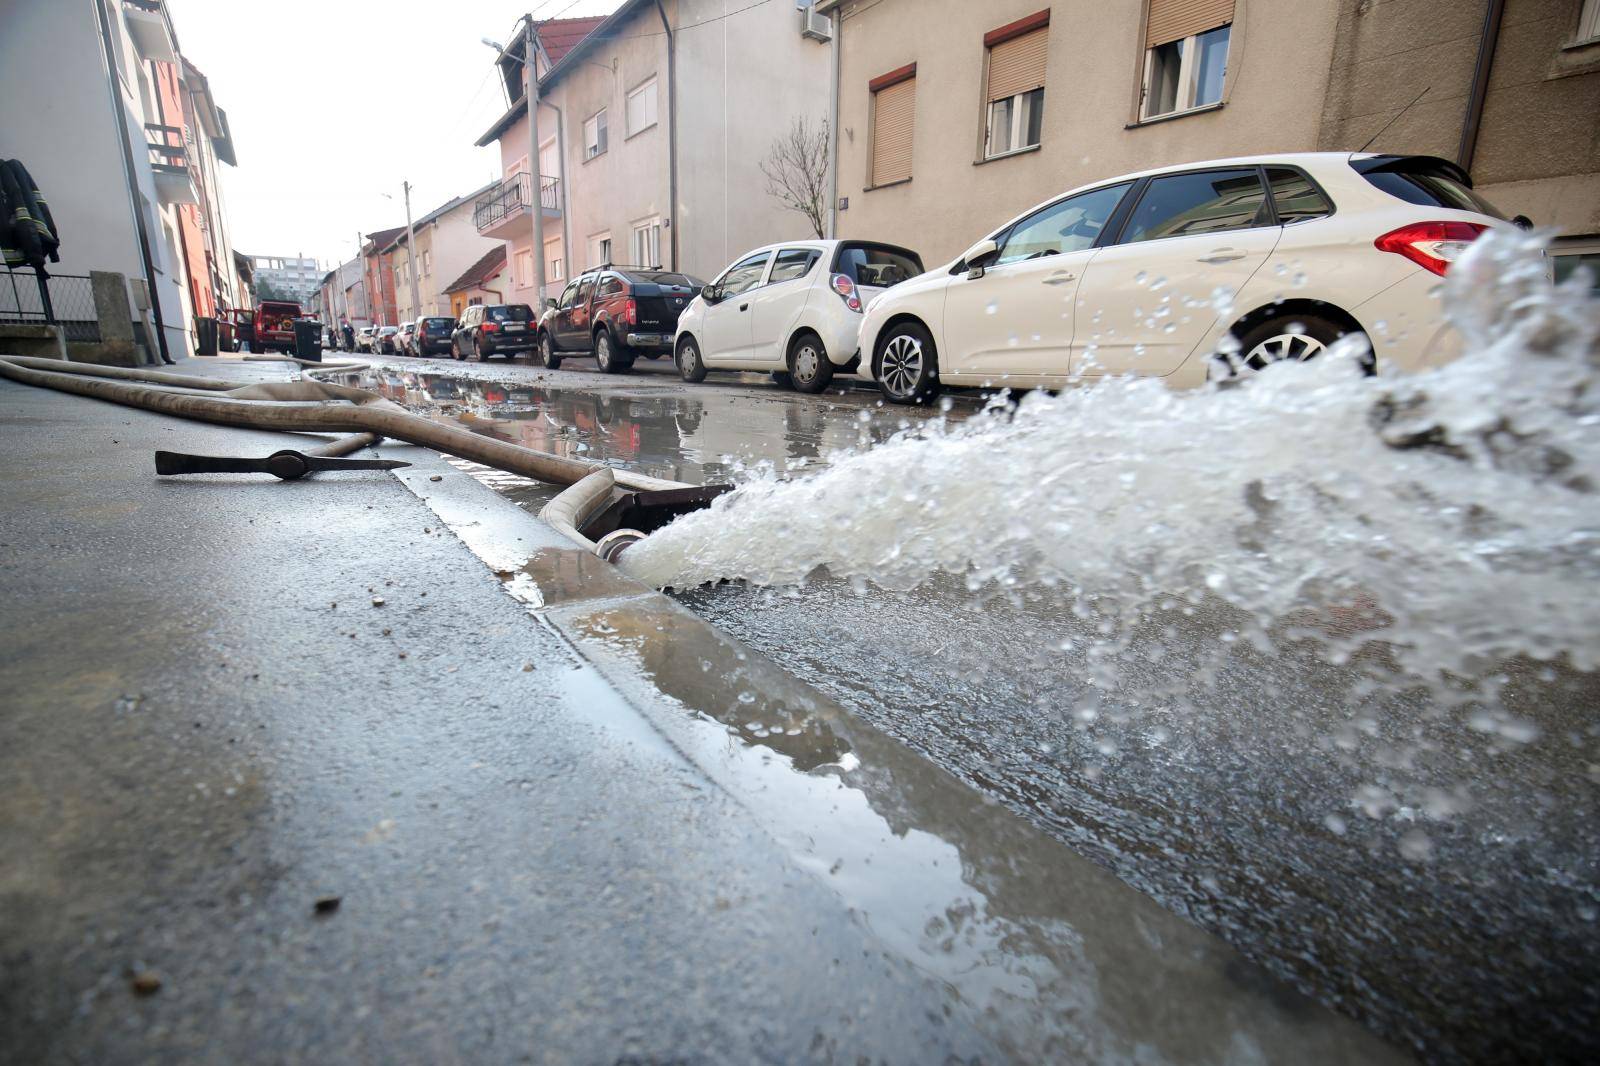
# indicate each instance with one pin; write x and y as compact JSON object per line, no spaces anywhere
{"x":672,"y":130}
{"x":833,"y":130}
{"x":1487,"y":41}
{"x":140,"y":233}
{"x":566,"y":205}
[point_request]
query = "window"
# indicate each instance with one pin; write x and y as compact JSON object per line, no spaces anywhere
{"x":594,"y":135}
{"x":1295,"y":197}
{"x":549,"y":159}
{"x":1015,"y":89}
{"x":427,"y":261}
{"x":610,"y":285}
{"x":1589,"y":22}
{"x":642,"y":107}
{"x":744,"y":275}
{"x":646,"y":250}
{"x":554,"y":264}
{"x":569,"y":296}
{"x":793,"y":263}
{"x":1186,"y":57}
{"x":894,"y":101}
{"x":599,"y":249}
{"x":1569,"y":256}
{"x":524,"y":269}
{"x":585,"y":287}
{"x":1208,"y":201}
{"x":1068,"y":225}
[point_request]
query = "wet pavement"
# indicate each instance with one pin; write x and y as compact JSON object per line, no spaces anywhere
{"x":1383,"y":854}
{"x":291,"y":774}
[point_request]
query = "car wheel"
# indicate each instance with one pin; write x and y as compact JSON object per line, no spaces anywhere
{"x":605,"y":354}
{"x":547,"y":353}
{"x":477,"y":351}
{"x":907,"y":365}
{"x":1291,"y":338}
{"x":810,"y":369}
{"x":455,"y":352}
{"x":690,"y":366}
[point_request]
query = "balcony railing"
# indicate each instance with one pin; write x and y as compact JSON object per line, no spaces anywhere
{"x":511,"y":197}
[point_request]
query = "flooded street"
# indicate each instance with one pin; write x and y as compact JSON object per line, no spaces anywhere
{"x":1387,"y":853}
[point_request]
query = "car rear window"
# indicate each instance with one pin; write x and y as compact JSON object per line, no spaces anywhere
{"x":438,"y":325}
{"x":510,"y":313}
{"x":1295,"y":196}
{"x":658,"y":277}
{"x":1424,"y":182}
{"x":876,"y":265}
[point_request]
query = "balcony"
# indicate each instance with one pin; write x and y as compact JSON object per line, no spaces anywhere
{"x":503,"y":213}
{"x":169,"y":164}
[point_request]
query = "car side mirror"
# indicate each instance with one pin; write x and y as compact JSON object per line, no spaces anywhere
{"x":979,"y":256}
{"x":711,"y":293}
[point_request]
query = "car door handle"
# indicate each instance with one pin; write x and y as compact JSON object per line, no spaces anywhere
{"x":1060,"y":277}
{"x":1221,"y":255}
{"x":744,"y":307}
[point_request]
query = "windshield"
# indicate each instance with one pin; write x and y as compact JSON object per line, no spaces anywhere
{"x":510,"y":313}
{"x":878,"y":266}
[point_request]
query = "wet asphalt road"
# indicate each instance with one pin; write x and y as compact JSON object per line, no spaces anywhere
{"x":1239,"y":811}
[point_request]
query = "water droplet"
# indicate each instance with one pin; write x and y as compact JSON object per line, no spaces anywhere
{"x":1140,"y":278}
{"x":991,"y":308}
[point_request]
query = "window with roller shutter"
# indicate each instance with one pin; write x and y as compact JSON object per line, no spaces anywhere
{"x":894,"y":99}
{"x":1014,"y":88}
{"x":1186,"y":55}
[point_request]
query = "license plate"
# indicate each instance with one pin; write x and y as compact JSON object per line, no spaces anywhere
{"x":514,"y":329}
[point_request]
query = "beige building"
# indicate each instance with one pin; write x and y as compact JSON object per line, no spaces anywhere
{"x":953,"y":117}
{"x":645,"y":155}
{"x":447,"y":242}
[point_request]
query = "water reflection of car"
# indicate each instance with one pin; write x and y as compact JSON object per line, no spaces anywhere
{"x":443,"y":388}
{"x":616,"y":314}
{"x":493,"y":329}
{"x":1262,"y":259}
{"x":793,"y":309}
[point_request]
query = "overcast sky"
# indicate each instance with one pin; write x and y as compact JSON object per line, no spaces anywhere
{"x":334,"y":102}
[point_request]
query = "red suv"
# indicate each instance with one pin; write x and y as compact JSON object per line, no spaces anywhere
{"x":617,"y":314}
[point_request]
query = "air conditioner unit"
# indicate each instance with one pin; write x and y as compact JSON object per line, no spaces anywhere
{"x":813,"y":24}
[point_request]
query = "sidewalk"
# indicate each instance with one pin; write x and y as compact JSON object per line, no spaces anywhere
{"x":557,"y":829}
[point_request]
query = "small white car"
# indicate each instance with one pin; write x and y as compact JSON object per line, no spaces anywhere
{"x":364,"y":338}
{"x":1188,"y":271}
{"x":793,"y":309}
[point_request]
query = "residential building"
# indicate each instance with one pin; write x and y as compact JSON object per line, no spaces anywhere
{"x":334,"y":295}
{"x":127,"y":152}
{"x":484,"y":282}
{"x":378,"y":274}
{"x":952,"y":117}
{"x":637,"y":106}
{"x":287,"y":277}
{"x":448,"y":242}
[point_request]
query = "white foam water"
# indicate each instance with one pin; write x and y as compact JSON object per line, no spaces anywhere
{"x":1454,"y":514}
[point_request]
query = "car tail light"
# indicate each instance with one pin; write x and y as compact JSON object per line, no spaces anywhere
{"x":847,"y":291}
{"x":1431,"y":245}
{"x":491,"y":327}
{"x":630,"y":311}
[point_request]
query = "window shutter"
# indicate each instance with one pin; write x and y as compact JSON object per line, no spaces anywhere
{"x":893,"y":112}
{"x":1017,"y":66}
{"x":1173,"y":20}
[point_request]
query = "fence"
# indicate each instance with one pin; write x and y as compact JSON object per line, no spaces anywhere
{"x":71,"y":297}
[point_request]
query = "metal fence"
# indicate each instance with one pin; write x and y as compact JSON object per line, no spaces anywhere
{"x":71,"y":298}
{"x":512,"y":196}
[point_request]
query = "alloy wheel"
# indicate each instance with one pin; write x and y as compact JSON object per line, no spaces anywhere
{"x":1284,"y":348}
{"x":903,"y":365}
{"x":602,"y":351}
{"x":807,"y":361}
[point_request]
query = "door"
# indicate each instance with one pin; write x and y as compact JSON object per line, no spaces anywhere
{"x":574,"y":321}
{"x":557,"y":324}
{"x":775,"y":305}
{"x":1189,"y":245}
{"x":727,"y":326}
{"x":1015,"y":323}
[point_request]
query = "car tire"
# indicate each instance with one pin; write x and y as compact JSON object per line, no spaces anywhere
{"x":606,"y":356}
{"x":691,"y":366}
{"x":907,"y":365}
{"x":547,"y":352}
{"x":455,"y":352}
{"x":1285,"y":338}
{"x":810,"y":369}
{"x":477,"y":351}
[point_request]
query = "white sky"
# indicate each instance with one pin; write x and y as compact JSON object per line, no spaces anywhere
{"x":334,"y":102}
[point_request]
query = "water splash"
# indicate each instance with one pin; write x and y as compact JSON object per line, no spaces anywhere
{"x":1453,"y":514}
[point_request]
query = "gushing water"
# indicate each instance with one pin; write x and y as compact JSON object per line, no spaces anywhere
{"x":1452,"y":514}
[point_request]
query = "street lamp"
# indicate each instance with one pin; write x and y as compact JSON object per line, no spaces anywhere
{"x":531,"y":95}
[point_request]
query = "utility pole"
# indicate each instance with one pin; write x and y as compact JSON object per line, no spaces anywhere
{"x":531,"y":65}
{"x":411,"y":251}
{"x":361,"y":246}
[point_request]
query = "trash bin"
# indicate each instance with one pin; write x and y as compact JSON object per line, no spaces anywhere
{"x":308,"y":339}
{"x":205,"y":330}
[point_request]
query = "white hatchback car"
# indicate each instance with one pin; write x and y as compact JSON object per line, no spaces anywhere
{"x":1152,"y":273}
{"x":793,"y":309}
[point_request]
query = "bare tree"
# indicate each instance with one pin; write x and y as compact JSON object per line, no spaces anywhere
{"x":797,"y":171}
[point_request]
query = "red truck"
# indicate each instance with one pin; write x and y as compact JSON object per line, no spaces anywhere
{"x":274,"y":326}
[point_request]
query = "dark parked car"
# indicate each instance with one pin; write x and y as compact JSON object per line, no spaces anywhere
{"x":433,"y":336}
{"x":617,"y":314}
{"x":383,"y":340}
{"x":493,"y":329}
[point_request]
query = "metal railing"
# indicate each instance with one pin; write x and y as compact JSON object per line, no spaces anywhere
{"x":71,"y":298}
{"x":512,"y":196}
{"x":166,"y":146}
